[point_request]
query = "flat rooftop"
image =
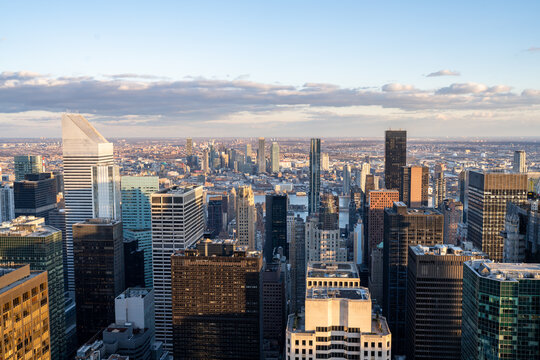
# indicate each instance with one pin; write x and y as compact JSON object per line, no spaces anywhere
{"x":505,"y":271}
{"x":445,"y":250}
{"x":177,"y":190}
{"x":332,"y":270}
{"x":338,"y":293}
{"x":134,"y":292}
{"x":26,"y":226}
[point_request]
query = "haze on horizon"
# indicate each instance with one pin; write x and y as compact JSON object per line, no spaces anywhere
{"x":242,"y":69}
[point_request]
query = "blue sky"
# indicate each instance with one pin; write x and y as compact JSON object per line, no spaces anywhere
{"x":356,"y":46}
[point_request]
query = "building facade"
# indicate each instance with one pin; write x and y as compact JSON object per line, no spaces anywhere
{"x":314,"y":176}
{"x":261,"y":157}
{"x":395,"y":157}
{"x":298,"y":262}
{"x":520,"y":161}
{"x":7,"y":203}
{"x":274,"y":158}
{"x":414,"y":184}
{"x":246,"y":217}
{"x":35,"y":195}
{"x":378,"y":200}
{"x":27,"y":164}
{"x":276,"y":225}
{"x":453,"y":215}
{"x":439,"y":185}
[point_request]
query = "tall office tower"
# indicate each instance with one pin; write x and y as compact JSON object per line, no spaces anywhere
{"x":522,"y":233}
{"x":137,"y":216}
{"x":323,"y":244}
{"x":375,"y":279}
{"x":434,"y":295}
{"x":338,"y":322}
{"x":98,"y":252}
{"x":274,"y":303}
{"x":30,"y":241}
{"x":298,"y":263}
{"x":404,"y":227}
{"x":366,"y":168}
{"x":395,"y":157}
{"x":246,"y":217}
{"x":133,"y":264}
{"x":261,"y":157}
{"x":177,"y":223}
{"x":414,"y":184}
{"x":314,"y":176}
{"x":231,"y":205}
{"x":27,"y":164}
{"x":274,"y":158}
{"x":500,"y":310}
{"x":276,"y":226}
{"x":463,"y":189}
{"x":215,"y":221}
{"x":346,"y":179}
{"x":488,"y":195}
{"x":453,"y":215}
{"x":25,"y":327}
{"x":226,"y":325}
{"x":7,"y":203}
{"x":91,"y":183}
{"x":325,"y":162}
{"x":189,"y":146}
{"x":355,"y":206}
{"x":249,"y":154}
{"x":439,"y":188}
{"x":35,"y":196}
{"x":329,"y":212}
{"x":520,"y":162}
{"x":378,"y":201}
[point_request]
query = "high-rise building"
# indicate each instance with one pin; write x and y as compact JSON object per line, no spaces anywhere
{"x":274,"y":158}
{"x":29,"y":241}
{"x":227,"y":324}
{"x":413,"y":190}
{"x":91,"y":181}
{"x":261,"y":157}
{"x":98,"y":251}
{"x":216,"y":206}
{"x":522,"y":233}
{"x":298,"y":262}
{"x":133,"y":264}
{"x":488,"y":195}
{"x":314,"y":176}
{"x":378,"y":201}
{"x":246,"y":217}
{"x":323,"y":244}
{"x":520,"y":161}
{"x":325,"y":162}
{"x":27,"y":164}
{"x":453,"y":215}
{"x":366,"y":168}
{"x":501,"y":315}
{"x":404,"y":227}
{"x":338,"y":322}
{"x":346,"y":179}
{"x":376,"y":270}
{"x":439,"y":185}
{"x":205,"y":166}
{"x":395,"y":157}
{"x":25,"y":329}
{"x":7,"y":203}
{"x":189,"y":146}
{"x":137,"y":216}
{"x":329,"y":212}
{"x":434,"y":296}
{"x":177,"y":223}
{"x":276,"y":226}
{"x":249,"y":154}
{"x":274,"y":302}
{"x":35,"y":195}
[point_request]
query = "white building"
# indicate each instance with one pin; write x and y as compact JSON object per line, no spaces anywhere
{"x":274,"y":158}
{"x":520,"y":161}
{"x":7,"y":204}
{"x":246,"y":217}
{"x":91,"y":181}
{"x":323,"y":245}
{"x":338,"y":322}
{"x":366,"y":168}
{"x":177,"y":223}
{"x":325,"y":162}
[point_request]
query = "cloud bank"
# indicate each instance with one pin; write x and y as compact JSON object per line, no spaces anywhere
{"x":443,"y":73}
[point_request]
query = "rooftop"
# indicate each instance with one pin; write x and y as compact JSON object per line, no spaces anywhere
{"x":99,"y":221}
{"x":445,"y":249}
{"x":134,"y":292}
{"x":177,"y":190}
{"x":505,"y":271}
{"x":338,"y":293}
{"x":26,"y":226}
{"x":332,"y":270}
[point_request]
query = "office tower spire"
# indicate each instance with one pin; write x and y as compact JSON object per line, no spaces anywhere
{"x":91,"y":181}
{"x":314,"y":176}
{"x":395,"y":157}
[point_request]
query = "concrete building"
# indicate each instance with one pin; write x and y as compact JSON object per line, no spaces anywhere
{"x":522,"y":233}
{"x":434,"y":297}
{"x":314,"y":176}
{"x":414,"y":184}
{"x":274,"y":158}
{"x":520,"y":161}
{"x":395,"y":157}
{"x":376,"y":270}
{"x":500,"y":312}
{"x":325,"y":162}
{"x":261,"y":157}
{"x":189,"y":146}
{"x":246,"y":217}
{"x":366,"y":168}
{"x":217,"y":214}
{"x":323,"y":245}
{"x":177,"y":223}
{"x":29,"y":338}
{"x":27,"y":164}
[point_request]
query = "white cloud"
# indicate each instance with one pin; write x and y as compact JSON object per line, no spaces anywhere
{"x":394,"y":87}
{"x":444,"y":73}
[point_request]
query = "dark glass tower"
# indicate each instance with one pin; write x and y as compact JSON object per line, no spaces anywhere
{"x":276,"y":226}
{"x":36,"y":195}
{"x":215,"y":215}
{"x":395,"y":157}
{"x":314,"y":176}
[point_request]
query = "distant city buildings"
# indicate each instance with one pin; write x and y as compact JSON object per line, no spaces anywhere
{"x":7,"y":203}
{"x":522,"y":233}
{"x":274,"y":158}
{"x":439,"y":185}
{"x":453,"y":215}
{"x":261,"y":158}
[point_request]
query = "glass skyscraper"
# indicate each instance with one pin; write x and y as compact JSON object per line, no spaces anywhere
{"x":27,"y":164}
{"x":395,"y":157}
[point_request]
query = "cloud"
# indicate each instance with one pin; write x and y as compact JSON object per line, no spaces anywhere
{"x":135,"y":76}
{"x":533,"y":49}
{"x":444,"y":73}
{"x":397,"y":87}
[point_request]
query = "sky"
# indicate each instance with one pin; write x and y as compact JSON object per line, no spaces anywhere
{"x":272,"y":68}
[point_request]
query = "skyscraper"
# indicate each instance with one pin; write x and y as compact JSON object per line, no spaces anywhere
{"x":366,"y":168}
{"x":395,"y":157}
{"x":314,"y":176}
{"x":29,"y":241}
{"x":25,"y":318}
{"x":7,"y":203}
{"x":453,"y":215}
{"x":323,"y":244}
{"x":205,"y":166}
{"x":404,"y":227}
{"x":276,"y":226}
{"x":36,"y":195}
{"x":216,"y":207}
{"x":177,"y":223}
{"x":27,"y":164}
{"x":325,"y":162}
{"x":434,"y":296}
{"x":520,"y":161}
{"x":274,"y":158}
{"x":378,"y":201}
{"x":501,"y":315}
{"x":414,"y":184}
{"x":346,"y":179}
{"x":189,"y":146}
{"x":249,"y":154}
{"x":488,"y":195}
{"x":91,"y":181}
{"x":439,"y":185}
{"x":261,"y":157}
{"x":298,"y":262}
{"x":246,"y":217}
{"x":274,"y":302}
{"x":98,"y":252}
{"x":137,"y":215}
{"x":227,"y":324}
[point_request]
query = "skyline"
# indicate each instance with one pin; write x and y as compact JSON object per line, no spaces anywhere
{"x":247,"y":70}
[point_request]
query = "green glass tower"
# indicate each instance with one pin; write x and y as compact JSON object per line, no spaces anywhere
{"x":501,"y":316}
{"x":27,"y":164}
{"x":27,"y":240}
